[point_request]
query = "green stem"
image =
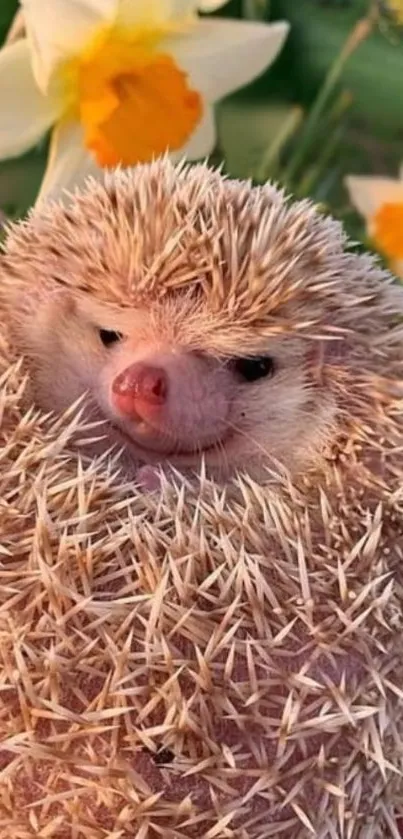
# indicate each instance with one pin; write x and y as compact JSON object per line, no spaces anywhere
{"x":311,"y":179}
{"x":341,"y":105}
{"x":360,"y":32}
{"x":255,"y":9}
{"x":271,"y":155}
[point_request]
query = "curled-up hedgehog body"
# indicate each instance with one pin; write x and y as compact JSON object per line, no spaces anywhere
{"x":201,"y":317}
{"x":198,"y":664}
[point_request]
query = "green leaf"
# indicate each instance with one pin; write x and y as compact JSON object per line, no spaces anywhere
{"x":250,"y":133}
{"x":19,"y":183}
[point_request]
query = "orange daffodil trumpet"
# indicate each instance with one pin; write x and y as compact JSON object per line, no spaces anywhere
{"x":123,"y":81}
{"x":380,"y":201}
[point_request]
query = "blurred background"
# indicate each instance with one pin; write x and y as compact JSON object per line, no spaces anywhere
{"x":314,"y":117}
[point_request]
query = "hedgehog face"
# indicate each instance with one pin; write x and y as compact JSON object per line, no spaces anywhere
{"x":197,"y":314}
{"x":164,"y":392}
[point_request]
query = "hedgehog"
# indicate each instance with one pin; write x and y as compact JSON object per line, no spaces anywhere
{"x":186,"y":665}
{"x":199,"y":663}
{"x":200,"y":319}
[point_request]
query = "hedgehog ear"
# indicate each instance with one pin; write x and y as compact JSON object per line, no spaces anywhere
{"x":61,"y":306}
{"x":52,"y":315}
{"x":324,"y":353}
{"x":63,"y":300}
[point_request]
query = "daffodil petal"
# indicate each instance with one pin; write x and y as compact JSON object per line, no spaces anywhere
{"x":210,"y":5}
{"x":143,"y":12}
{"x":25,"y":114}
{"x":396,"y":266}
{"x":58,"y":29}
{"x":202,"y":141}
{"x":154,"y":13}
{"x":367,"y":194}
{"x":17,"y":29}
{"x":181,"y":8}
{"x":69,"y":163}
{"x":222,"y":56}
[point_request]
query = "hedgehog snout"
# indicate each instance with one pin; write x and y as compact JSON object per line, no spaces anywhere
{"x":172,"y":397}
{"x":140,"y":390}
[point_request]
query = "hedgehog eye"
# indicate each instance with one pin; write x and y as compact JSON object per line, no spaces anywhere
{"x":109,"y":337}
{"x":252,"y":369}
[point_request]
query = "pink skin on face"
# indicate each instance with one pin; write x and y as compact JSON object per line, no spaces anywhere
{"x":169,"y":402}
{"x":141,"y":390}
{"x":171,"y":391}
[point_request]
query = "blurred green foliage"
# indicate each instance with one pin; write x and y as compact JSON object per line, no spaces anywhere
{"x":7,"y":10}
{"x":262,"y":128}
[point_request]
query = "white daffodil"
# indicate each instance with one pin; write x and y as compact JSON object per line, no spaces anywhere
{"x":395,"y":8}
{"x":380,"y":202}
{"x":122,"y":81}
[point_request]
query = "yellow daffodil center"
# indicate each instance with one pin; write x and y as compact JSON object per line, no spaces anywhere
{"x":387,"y":230}
{"x":133,"y":101}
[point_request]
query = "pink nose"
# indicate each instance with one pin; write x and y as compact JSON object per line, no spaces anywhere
{"x":140,"y":390}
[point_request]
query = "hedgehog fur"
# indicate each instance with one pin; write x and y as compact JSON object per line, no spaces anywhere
{"x":201,"y":662}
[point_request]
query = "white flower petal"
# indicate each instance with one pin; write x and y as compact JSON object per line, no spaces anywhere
{"x":368,"y":194}
{"x":146,"y":13}
{"x":58,"y":29}
{"x":202,"y":141}
{"x":224,"y":55}
{"x":210,"y":5}
{"x":396,"y":266}
{"x":69,"y":163}
{"x":153,"y":12}
{"x":25,"y":114}
{"x":183,"y":8}
{"x":17,"y":28}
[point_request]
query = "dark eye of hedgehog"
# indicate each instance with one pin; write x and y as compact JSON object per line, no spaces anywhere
{"x":109,"y":337}
{"x":249,"y":369}
{"x":252,"y":369}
